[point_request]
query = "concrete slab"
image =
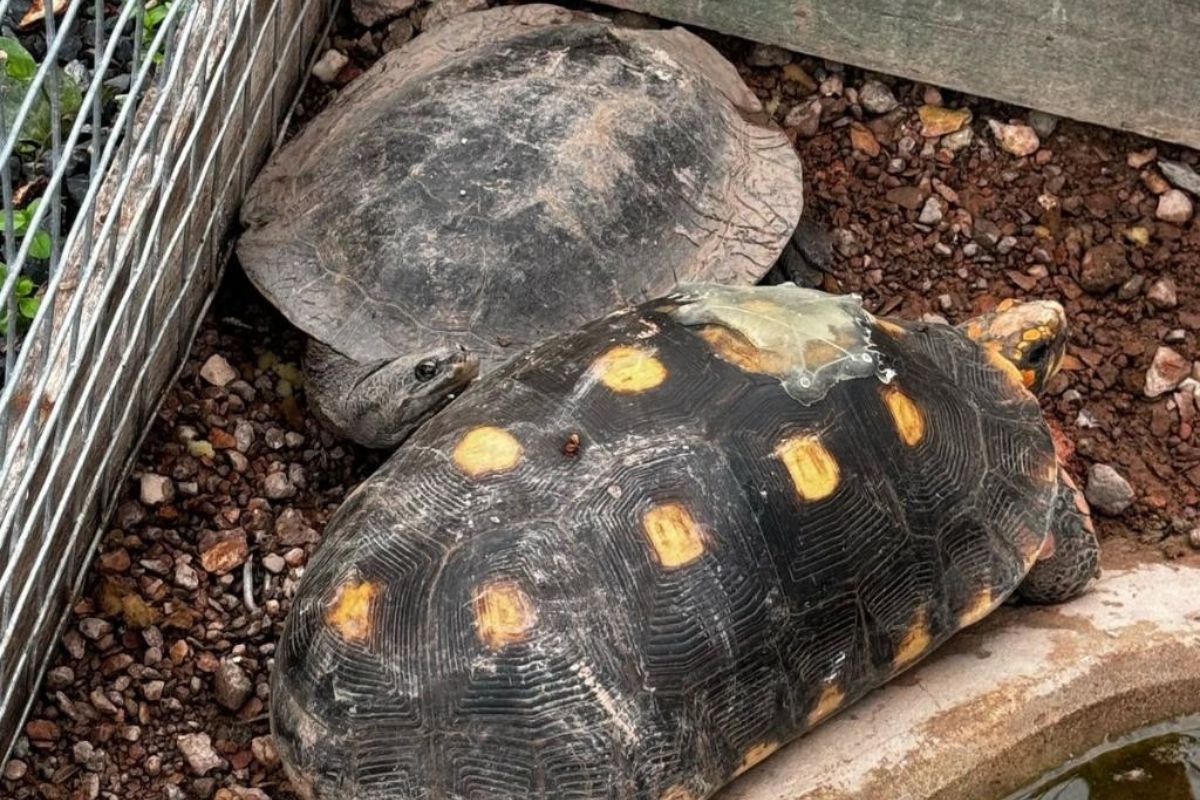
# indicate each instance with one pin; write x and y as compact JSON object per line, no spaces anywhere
{"x":1008,"y":699}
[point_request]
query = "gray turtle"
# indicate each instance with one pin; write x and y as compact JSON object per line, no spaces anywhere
{"x":507,"y":176}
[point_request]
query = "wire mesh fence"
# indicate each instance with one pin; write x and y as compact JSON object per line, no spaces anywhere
{"x":130,"y":130}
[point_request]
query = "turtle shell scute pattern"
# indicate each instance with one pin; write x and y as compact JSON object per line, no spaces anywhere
{"x":684,"y":568}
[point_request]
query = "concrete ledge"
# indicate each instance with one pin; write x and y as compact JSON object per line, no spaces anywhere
{"x":1008,"y":699}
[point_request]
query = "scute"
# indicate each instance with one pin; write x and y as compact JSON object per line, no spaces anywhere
{"x":513,"y":174}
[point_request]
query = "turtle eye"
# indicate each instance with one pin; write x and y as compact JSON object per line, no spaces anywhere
{"x":1038,"y":352}
{"x":426,"y":370}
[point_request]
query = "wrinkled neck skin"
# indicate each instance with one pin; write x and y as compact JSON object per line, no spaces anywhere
{"x":381,"y":403}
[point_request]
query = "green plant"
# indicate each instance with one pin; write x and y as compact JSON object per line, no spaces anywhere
{"x":27,"y":302}
{"x":15,"y":80}
{"x":40,"y":246}
{"x":151,"y":18}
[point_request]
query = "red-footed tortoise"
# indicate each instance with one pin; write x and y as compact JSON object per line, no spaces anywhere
{"x":509,"y":175}
{"x":638,"y":559}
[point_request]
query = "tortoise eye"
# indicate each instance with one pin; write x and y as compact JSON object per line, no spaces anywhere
{"x":426,"y":370}
{"x":1038,"y":352}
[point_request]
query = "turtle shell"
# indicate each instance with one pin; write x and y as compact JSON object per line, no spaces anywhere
{"x":632,"y":563}
{"x":512,"y":174}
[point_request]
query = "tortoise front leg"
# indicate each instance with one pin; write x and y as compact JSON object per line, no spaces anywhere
{"x":1071,"y":557}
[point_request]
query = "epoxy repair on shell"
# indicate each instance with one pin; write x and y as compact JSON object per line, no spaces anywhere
{"x":808,"y":339}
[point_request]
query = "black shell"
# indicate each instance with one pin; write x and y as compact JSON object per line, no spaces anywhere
{"x":492,"y":623}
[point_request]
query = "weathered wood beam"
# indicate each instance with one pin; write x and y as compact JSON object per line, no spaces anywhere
{"x":1128,"y":64}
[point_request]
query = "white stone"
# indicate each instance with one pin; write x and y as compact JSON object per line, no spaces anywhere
{"x":329,"y":65}
{"x":154,"y":489}
{"x":218,"y":371}
{"x":198,"y":751}
{"x":1174,"y":206}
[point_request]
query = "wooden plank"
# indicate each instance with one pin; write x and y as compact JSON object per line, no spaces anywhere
{"x":1128,"y":64}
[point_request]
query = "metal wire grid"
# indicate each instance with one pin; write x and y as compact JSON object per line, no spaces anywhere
{"x":128,"y":282}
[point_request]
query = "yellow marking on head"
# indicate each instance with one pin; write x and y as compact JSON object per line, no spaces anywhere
{"x":980,"y":606}
{"x":1033,"y":334}
{"x":739,"y":351}
{"x":756,"y":754}
{"x":628,"y":370}
{"x":350,"y":615}
{"x":890,"y":327}
{"x":974,"y":330}
{"x":485,"y":450}
{"x":915,"y":642}
{"x":813,"y":469}
{"x":674,"y":534}
{"x":907,"y":417}
{"x":1028,"y":376}
{"x":503,"y":613}
{"x":677,"y":792}
{"x":997,"y":359}
{"x":1005,"y":305}
{"x":831,"y":700}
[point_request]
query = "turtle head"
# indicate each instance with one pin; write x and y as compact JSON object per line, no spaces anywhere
{"x":1032,"y":335}
{"x":380,"y":403}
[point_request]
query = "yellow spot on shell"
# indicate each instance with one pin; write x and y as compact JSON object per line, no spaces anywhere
{"x":628,"y":369}
{"x":503,"y":613}
{"x":485,"y":450}
{"x":739,"y":351}
{"x":890,"y":327}
{"x":674,"y":535}
{"x":350,"y":615}
{"x":756,"y":754}
{"x":758,"y":305}
{"x":915,"y":642}
{"x":830,"y":701}
{"x":907,"y":417}
{"x":997,"y":359}
{"x":813,"y":469}
{"x":979,"y":607}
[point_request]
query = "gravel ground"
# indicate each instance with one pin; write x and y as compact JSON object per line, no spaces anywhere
{"x":159,"y":689}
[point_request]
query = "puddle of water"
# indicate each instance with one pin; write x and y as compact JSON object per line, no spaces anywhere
{"x":1161,"y":762}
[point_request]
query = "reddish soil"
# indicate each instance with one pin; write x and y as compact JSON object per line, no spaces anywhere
{"x":164,"y":629}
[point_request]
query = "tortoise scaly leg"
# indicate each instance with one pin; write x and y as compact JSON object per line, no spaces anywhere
{"x":1071,"y":557}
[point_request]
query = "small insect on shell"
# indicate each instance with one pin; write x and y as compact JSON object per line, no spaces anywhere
{"x":572,"y":445}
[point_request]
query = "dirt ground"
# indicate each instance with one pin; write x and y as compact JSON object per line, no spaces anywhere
{"x":160,"y":687}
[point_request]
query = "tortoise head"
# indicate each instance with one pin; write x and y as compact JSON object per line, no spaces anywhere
{"x":1032,"y":335}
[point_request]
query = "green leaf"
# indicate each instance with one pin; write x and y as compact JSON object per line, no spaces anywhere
{"x":24,"y":287}
{"x":18,"y":63}
{"x":40,"y":246}
{"x":28,"y":306}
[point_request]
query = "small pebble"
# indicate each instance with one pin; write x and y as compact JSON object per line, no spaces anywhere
{"x":877,"y":98}
{"x":1020,"y":140}
{"x":198,"y":751}
{"x":329,"y":65}
{"x":1167,"y":370}
{"x":1107,"y":490}
{"x":274,"y":563}
{"x":231,"y":685}
{"x":1162,"y":294}
{"x":1174,"y":206}
{"x":1180,"y":175}
{"x":155,"y":489}
{"x":931,"y":212}
{"x":217,"y":371}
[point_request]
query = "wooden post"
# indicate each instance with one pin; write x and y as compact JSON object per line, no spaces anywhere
{"x":1129,"y":64}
